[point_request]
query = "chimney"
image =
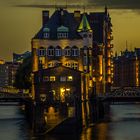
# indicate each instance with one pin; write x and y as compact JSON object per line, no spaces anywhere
{"x":45,"y":17}
{"x":77,"y":16}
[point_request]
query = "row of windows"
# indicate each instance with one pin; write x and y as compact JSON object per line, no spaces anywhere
{"x":73,"y":65}
{"x":59,"y":35}
{"x":53,"y":78}
{"x":59,"y":52}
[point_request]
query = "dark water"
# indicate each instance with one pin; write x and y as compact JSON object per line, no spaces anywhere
{"x":124,"y":124}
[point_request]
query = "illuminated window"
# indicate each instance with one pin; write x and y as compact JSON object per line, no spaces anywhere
{"x":69,"y":78}
{"x":53,"y":63}
{"x":62,"y":78}
{"x":45,"y":78}
{"x":72,"y":64}
{"x":52,"y":78}
{"x":75,"y":65}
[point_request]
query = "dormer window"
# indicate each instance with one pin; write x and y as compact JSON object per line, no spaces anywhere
{"x":62,"y":32}
{"x":62,"y":35}
{"x":46,"y":33}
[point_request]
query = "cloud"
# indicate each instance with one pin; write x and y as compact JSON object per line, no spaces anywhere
{"x":112,"y":4}
{"x":117,"y":4}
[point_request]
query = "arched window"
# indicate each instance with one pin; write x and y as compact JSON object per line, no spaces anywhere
{"x":75,"y":51}
{"x":67,"y":51}
{"x":51,"y":51}
{"x":42,"y":51}
{"x":58,"y":51}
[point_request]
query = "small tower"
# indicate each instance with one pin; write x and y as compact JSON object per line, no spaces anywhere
{"x":86,"y":33}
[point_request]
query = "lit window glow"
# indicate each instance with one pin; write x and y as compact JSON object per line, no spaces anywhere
{"x":70,"y":78}
{"x":52,"y":78}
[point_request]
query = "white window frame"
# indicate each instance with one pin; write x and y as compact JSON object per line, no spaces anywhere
{"x":75,"y":52}
{"x":67,"y":52}
{"x":50,"y":52}
{"x":42,"y":52}
{"x":58,"y":52}
{"x":46,"y":35}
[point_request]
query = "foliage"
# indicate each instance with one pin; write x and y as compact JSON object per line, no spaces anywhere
{"x":23,"y":74}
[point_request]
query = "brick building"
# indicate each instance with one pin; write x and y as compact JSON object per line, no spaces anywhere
{"x":79,"y":43}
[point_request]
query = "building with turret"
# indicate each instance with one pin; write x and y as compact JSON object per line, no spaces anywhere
{"x":72,"y":54}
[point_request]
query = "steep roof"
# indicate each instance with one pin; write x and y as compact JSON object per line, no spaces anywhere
{"x":84,"y":25}
{"x":62,"y":20}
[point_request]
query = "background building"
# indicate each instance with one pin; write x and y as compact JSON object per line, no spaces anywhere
{"x":8,"y":69}
{"x":127,"y":69}
{"x":18,"y":58}
{"x":7,"y":73}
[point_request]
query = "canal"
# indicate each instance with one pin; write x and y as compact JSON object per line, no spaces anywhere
{"x":124,"y":124}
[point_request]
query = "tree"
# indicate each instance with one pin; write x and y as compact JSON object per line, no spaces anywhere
{"x":23,"y":74}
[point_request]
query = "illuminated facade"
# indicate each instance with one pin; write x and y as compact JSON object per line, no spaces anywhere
{"x":78,"y":41}
{"x":127,"y":69}
{"x":7,"y":73}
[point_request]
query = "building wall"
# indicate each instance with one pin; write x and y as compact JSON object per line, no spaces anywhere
{"x":44,"y":85}
{"x":98,"y":67}
{"x":126,"y":70}
{"x":3,"y":75}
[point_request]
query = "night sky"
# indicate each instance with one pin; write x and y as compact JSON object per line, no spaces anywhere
{"x":20,"y":20}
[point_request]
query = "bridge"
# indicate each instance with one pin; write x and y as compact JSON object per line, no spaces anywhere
{"x":129,"y":94}
{"x":13,"y":97}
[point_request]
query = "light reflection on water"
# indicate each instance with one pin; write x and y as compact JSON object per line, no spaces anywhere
{"x":124,"y":124}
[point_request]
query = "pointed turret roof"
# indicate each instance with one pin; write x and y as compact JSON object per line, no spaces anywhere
{"x":84,"y":25}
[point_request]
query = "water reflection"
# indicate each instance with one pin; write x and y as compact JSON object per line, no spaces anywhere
{"x":12,"y":124}
{"x":124,"y":124}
